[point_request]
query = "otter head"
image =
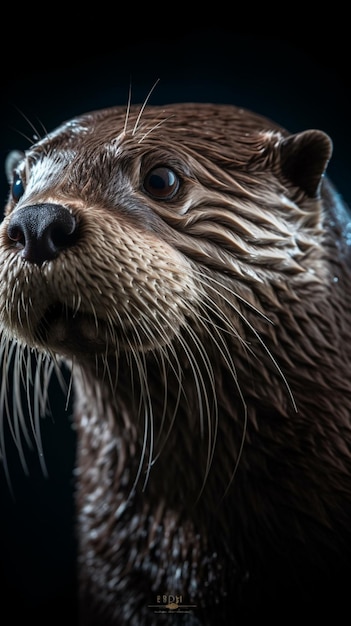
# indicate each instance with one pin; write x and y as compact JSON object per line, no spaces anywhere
{"x":123,"y":230}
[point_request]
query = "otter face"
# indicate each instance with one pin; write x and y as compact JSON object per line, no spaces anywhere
{"x":115,"y":224}
{"x":81,"y":273}
{"x":77,"y":281}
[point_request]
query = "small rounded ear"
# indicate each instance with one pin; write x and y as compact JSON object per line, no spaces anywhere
{"x":11,"y":162}
{"x":304,"y":159}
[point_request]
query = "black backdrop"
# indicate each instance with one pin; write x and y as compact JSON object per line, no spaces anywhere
{"x":295,"y":80}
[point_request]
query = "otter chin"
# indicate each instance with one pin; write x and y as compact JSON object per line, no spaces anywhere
{"x":68,"y":332}
{"x":190,"y":263}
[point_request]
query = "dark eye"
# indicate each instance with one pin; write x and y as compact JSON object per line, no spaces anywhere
{"x":161,"y":183}
{"x":17,"y":188}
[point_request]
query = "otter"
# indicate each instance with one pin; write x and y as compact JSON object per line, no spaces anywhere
{"x":190,"y":264}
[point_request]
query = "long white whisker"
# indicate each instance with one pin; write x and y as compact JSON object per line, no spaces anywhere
{"x":178,"y":376}
{"x":139,"y":359}
{"x":253,"y":330}
{"x":128,"y":108}
{"x":143,"y":106}
{"x":38,"y":412}
{"x":17,"y":425}
{"x":36,"y":135}
{"x":204,"y":280}
{"x":154,"y":128}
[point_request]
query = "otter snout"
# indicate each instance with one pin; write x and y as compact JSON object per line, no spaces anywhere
{"x":42,"y":231}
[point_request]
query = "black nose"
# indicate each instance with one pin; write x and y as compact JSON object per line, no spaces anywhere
{"x":42,"y":231}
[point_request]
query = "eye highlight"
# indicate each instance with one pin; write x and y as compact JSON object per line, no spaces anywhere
{"x":17,"y":188}
{"x":161,"y":183}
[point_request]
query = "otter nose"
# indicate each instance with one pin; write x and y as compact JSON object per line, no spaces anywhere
{"x":42,"y":231}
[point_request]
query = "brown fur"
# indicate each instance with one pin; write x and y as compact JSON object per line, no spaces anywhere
{"x":209,"y":336}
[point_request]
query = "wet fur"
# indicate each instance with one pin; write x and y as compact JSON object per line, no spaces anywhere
{"x":209,"y":339}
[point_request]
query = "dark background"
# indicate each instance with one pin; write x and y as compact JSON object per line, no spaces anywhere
{"x":298,"y":80}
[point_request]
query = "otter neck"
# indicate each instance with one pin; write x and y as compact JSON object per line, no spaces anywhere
{"x":157,"y":426}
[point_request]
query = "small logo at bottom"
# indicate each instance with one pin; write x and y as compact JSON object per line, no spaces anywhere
{"x":170,"y":603}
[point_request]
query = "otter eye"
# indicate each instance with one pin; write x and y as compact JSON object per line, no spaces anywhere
{"x":17,"y":188}
{"x":161,"y":183}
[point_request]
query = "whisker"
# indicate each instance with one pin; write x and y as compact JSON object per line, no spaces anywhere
{"x":37,"y":413}
{"x":178,"y":376}
{"x":37,"y":135}
{"x":242,"y":442}
{"x":202,"y":395}
{"x":143,"y":106}
{"x":128,"y":108}
{"x":154,"y":127}
{"x":228,"y":360}
{"x":148,"y":419}
{"x":31,"y":140}
{"x":252,"y":329}
{"x":18,"y":427}
{"x":11,"y":354}
{"x":204,"y":280}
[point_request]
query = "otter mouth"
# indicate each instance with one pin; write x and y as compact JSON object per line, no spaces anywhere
{"x":60,"y":327}
{"x":55,"y":312}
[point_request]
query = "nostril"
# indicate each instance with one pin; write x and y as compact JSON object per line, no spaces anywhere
{"x":61,"y":234}
{"x":42,"y":231}
{"x":15,"y":234}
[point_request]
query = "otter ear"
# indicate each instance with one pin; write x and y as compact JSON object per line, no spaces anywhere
{"x":11,"y":162}
{"x":304,"y":159}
